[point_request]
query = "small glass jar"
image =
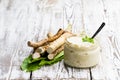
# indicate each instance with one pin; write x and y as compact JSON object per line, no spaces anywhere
{"x":81,"y":54}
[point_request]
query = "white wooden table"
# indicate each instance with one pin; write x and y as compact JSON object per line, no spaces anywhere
{"x":23,"y":20}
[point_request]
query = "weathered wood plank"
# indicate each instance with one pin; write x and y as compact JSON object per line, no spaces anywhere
{"x":93,"y":17}
{"x":61,"y":16}
{"x":33,"y":29}
{"x":7,"y":40}
{"x":23,"y":20}
{"x":116,"y":60}
{"x":106,"y":69}
{"x":21,"y":23}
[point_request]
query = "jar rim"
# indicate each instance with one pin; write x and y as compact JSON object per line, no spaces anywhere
{"x":82,"y":47}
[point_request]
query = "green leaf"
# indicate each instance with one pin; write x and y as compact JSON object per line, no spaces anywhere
{"x":87,"y":39}
{"x":30,"y":64}
{"x":59,"y":57}
{"x":33,"y":66}
{"x":38,"y":59}
{"x":25,"y":63}
{"x":50,"y":62}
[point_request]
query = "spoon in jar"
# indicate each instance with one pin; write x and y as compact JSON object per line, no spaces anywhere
{"x":99,"y":29}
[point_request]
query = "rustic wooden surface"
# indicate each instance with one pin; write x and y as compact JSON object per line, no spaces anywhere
{"x":23,"y":20}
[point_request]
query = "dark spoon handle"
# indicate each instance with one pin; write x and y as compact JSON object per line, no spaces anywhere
{"x":99,"y":29}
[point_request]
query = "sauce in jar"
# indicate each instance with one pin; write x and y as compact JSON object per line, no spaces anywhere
{"x":81,"y":54}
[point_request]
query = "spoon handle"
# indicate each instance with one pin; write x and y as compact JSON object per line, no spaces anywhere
{"x":99,"y":29}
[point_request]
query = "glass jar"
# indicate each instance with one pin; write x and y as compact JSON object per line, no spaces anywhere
{"x":81,"y":54}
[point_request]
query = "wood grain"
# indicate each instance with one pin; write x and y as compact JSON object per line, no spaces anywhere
{"x":23,"y":20}
{"x":106,"y":69}
{"x":60,"y":18}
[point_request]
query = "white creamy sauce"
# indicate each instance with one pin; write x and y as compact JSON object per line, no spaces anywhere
{"x":81,"y":54}
{"x":77,"y":41}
